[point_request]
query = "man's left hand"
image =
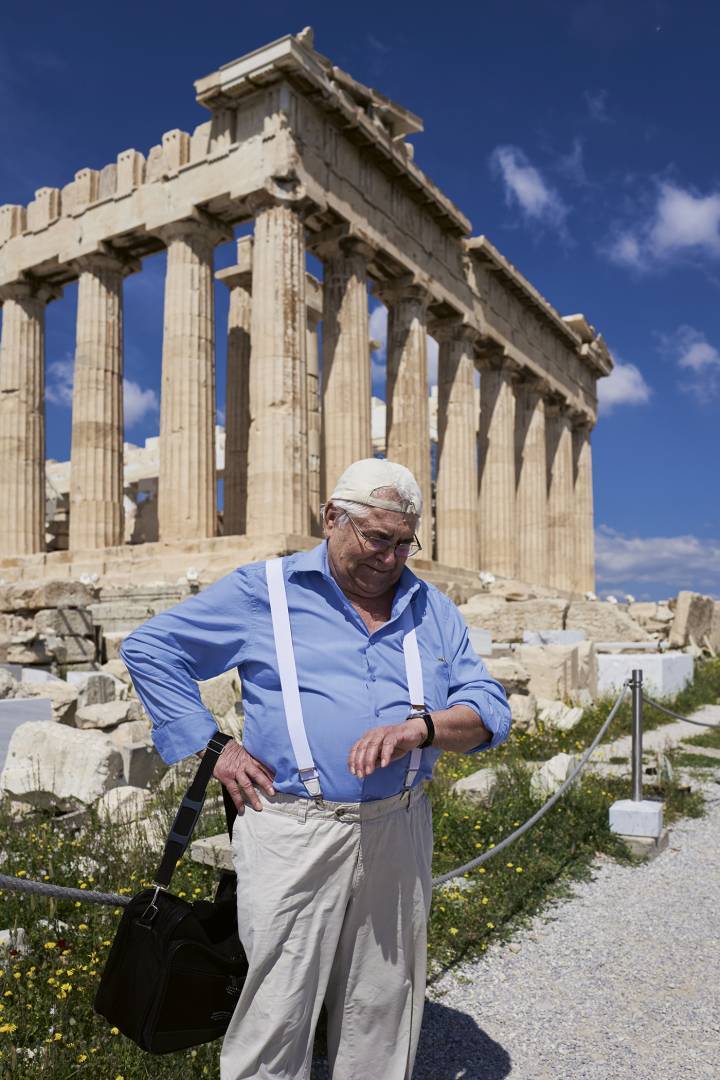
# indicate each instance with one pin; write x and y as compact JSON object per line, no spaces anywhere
{"x":381,"y":745}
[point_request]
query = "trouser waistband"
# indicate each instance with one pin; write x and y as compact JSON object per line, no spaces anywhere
{"x":303,"y":808}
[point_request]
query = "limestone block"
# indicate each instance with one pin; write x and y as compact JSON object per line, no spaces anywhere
{"x":479,"y":786}
{"x":108,"y":715}
{"x":130,"y":172}
{"x":117,"y":669}
{"x":44,"y":209}
{"x":11,"y":625}
{"x":61,"y":695}
{"x":664,"y":674}
{"x":133,"y":731}
{"x":558,"y":715}
{"x":70,"y":650}
{"x":507,"y":621}
{"x":554,"y":670}
{"x":15,"y":941}
{"x":553,"y":637}
{"x":58,"y":767}
{"x":36,"y":651}
{"x":222,"y":131}
{"x":64,"y":622}
{"x":142,"y":765}
{"x":49,"y":594}
{"x":98,"y":689}
{"x":481,"y":641}
{"x":523,"y":708}
{"x":550,"y":776}
{"x":693,"y":619}
{"x":715,"y":627}
{"x":587,"y":672}
{"x":180,"y":774}
{"x":220,"y":694}
{"x":8,"y":684}
{"x":512,"y":675}
{"x":213,"y":851}
{"x":13,"y":221}
{"x":176,"y":149}
{"x":107,"y":182}
{"x":87,"y":185}
{"x":113,"y":641}
{"x":123,"y":804}
{"x":653,"y":617}
{"x":14,"y":713}
{"x":200,"y":141}
{"x":604,"y":622}
{"x":155,"y":167}
{"x":642,"y":818}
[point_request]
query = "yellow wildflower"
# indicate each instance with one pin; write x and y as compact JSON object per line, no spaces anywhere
{"x":7,"y":1029}
{"x":453,"y":930}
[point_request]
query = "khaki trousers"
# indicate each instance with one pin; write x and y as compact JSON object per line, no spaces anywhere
{"x":333,"y":902}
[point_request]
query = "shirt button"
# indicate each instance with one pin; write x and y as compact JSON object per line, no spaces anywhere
{"x":374,"y":678}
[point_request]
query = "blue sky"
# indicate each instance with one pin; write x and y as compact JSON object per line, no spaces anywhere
{"x":581,"y":138}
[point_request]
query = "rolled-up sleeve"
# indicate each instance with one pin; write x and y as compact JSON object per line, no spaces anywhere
{"x":471,"y":684}
{"x":202,"y":637}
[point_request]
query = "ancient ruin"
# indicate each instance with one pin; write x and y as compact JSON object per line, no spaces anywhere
{"x":318,"y":163}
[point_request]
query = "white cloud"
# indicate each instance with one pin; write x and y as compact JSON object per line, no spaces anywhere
{"x":673,"y":562}
{"x":597,"y":105}
{"x":59,"y":385}
{"x":681,"y":223}
{"x":625,"y":385}
{"x":526,"y":188}
{"x":698,"y":360}
{"x":572,"y":164}
{"x":137,"y":402}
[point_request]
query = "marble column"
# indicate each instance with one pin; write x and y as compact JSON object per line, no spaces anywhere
{"x":346,"y":429}
{"x":237,"y":397}
{"x":496,"y":455}
{"x":407,"y":409}
{"x":314,"y":315}
{"x":187,"y":493}
{"x":583,"y":508}
{"x":278,"y":493}
{"x":22,"y":418}
{"x":561,"y":519}
{"x":456,"y":481}
{"x":531,"y":489}
{"x":96,"y":458}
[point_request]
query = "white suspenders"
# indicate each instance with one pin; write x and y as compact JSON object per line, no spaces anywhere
{"x":289,"y":682}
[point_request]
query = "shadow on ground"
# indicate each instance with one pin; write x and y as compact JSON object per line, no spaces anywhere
{"x":452,"y":1047}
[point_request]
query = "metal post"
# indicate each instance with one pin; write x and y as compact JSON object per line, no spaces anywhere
{"x":637,"y":733}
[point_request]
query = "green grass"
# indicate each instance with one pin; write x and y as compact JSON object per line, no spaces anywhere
{"x":47,"y":1026}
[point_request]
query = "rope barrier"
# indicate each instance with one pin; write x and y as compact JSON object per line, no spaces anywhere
{"x":44,"y":888}
{"x":677,"y":716}
{"x":544,"y":808}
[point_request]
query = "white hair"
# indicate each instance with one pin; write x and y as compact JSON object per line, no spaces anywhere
{"x":381,"y":478}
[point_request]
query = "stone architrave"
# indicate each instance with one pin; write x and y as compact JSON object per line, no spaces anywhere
{"x":407,"y":417}
{"x":496,"y":452}
{"x":237,"y":390}
{"x":531,"y":490}
{"x":583,"y":508}
{"x":456,"y":539}
{"x":187,"y":497}
{"x":346,"y":382}
{"x":96,"y":463}
{"x":22,"y":418}
{"x":314,"y":315}
{"x":561,"y":518}
{"x":278,"y":494}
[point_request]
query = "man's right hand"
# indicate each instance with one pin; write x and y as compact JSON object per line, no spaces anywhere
{"x":239,"y":771}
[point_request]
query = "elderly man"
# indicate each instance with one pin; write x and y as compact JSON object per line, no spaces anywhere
{"x":355,"y":676}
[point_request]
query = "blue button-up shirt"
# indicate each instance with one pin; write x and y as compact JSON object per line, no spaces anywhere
{"x":349,"y":680}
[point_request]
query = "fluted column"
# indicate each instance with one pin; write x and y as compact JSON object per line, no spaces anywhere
{"x":407,"y":408}
{"x":237,"y":395}
{"x":96,"y":458}
{"x":561,"y":522}
{"x":278,"y":495}
{"x":187,"y":496}
{"x":531,"y":495}
{"x":456,"y":480}
{"x":496,"y":454}
{"x":314,"y":314}
{"x":22,"y":418}
{"x":346,"y":429}
{"x":584,"y":576}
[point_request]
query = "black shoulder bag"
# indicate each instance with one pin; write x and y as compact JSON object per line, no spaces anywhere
{"x":176,"y":969}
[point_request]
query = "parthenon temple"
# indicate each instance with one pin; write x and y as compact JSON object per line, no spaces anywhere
{"x":320,"y":165}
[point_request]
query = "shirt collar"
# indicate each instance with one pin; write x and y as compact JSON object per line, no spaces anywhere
{"x":315,"y":561}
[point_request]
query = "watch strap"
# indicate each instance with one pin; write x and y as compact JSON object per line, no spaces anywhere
{"x":430,"y":731}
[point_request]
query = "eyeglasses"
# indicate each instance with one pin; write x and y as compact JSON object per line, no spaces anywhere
{"x":378,"y":545}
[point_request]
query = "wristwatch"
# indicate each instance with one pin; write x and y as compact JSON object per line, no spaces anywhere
{"x":430,"y":730}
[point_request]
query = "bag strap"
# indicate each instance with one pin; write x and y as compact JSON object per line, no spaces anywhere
{"x":413,"y":668}
{"x":288,"y":678}
{"x":189,"y":811}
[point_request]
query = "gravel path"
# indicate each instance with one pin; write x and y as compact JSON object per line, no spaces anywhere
{"x":619,"y":982}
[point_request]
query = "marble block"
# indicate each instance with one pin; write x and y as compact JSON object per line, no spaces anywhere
{"x":553,"y":637}
{"x":629,"y":818}
{"x":664,"y":674}
{"x":481,"y":641}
